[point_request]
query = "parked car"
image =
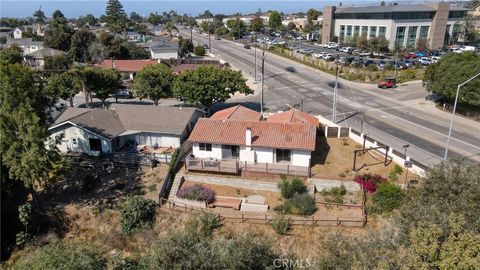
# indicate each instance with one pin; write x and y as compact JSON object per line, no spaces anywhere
{"x":410,"y":55}
{"x":122,"y":93}
{"x":435,"y":59}
{"x":387,"y":83}
{"x":328,"y":57}
{"x":425,"y":61}
{"x":246,"y":46}
{"x":420,"y":54}
{"x":368,"y":62}
{"x":381,"y":64}
{"x":332,"y":45}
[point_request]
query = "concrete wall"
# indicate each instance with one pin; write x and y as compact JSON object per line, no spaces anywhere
{"x":301,"y":158}
{"x":164,"y":55}
{"x":82,"y":137}
{"x":264,"y":155}
{"x":328,"y":22}
{"x":215,"y":153}
{"x":439,"y":25}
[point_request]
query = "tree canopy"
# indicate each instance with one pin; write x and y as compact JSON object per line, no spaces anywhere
{"x":81,"y":42}
{"x":154,"y":82}
{"x":12,"y":54}
{"x":24,"y":119}
{"x":103,"y":82}
{"x":115,"y":16}
{"x":59,"y":34}
{"x":275,"y":20}
{"x":444,"y":76}
{"x":208,"y":85}
{"x":65,"y":85}
{"x":257,"y":24}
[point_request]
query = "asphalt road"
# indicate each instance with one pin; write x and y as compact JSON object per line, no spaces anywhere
{"x":389,"y":115}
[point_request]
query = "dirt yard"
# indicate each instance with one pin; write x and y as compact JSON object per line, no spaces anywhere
{"x":333,"y":159}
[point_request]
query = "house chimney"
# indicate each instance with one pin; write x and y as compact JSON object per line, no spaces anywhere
{"x":248,"y":137}
{"x":113,"y":64}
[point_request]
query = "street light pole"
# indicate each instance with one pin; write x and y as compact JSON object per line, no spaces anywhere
{"x":453,"y":114}
{"x":396,"y":63}
{"x":335,"y":91}
{"x":263,"y":81}
{"x":255,"y":48}
{"x":406,"y":168}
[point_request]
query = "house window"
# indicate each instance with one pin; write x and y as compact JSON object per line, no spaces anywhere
{"x":74,"y":141}
{"x":382,"y":30}
{"x":235,"y":151}
{"x":206,"y":147}
{"x":283,"y":155}
{"x":95,"y":144}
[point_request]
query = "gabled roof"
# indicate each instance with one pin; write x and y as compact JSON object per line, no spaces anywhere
{"x":264,"y":134}
{"x":149,"y":118}
{"x":294,"y":116}
{"x":42,"y":53}
{"x":126,"y":65}
{"x":237,"y":113}
{"x":126,"y":118}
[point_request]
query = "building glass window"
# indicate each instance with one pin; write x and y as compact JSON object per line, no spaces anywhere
{"x":412,"y":36}
{"x":283,"y":155}
{"x":341,"y":36}
{"x":364,"y":31}
{"x":206,"y":147}
{"x":446,"y":40}
{"x":382,"y":31}
{"x":349,"y":31}
{"x":373,"y":31}
{"x":400,"y":37}
{"x":95,"y":144}
{"x":420,"y":15}
{"x":356,"y":31}
{"x":424,"y":32}
{"x":455,"y":32}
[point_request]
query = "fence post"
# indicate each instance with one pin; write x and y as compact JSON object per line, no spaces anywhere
{"x":338,"y":221}
{"x":219,"y":165}
{"x":201,"y":163}
{"x":266,"y":167}
{"x":242,"y":217}
{"x":288,"y":169}
{"x":246,"y":166}
{"x":185,"y":208}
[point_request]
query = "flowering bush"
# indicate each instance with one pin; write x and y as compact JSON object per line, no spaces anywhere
{"x":370,"y":182}
{"x":197,"y":193}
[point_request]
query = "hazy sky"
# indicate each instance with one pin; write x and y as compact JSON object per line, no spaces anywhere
{"x":75,"y":8}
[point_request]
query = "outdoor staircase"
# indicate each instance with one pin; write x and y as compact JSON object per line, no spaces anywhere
{"x":175,"y":186}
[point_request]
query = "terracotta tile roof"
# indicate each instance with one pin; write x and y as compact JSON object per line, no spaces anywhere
{"x":293,"y":116}
{"x":126,"y":65}
{"x":264,"y":134}
{"x":237,"y":113}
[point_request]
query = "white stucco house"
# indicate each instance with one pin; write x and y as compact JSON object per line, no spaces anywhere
{"x":26,"y":44}
{"x":104,"y":131}
{"x":237,"y":140}
{"x":17,"y":33}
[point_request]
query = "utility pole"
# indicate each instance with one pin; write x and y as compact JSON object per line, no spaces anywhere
{"x":335,"y":91}
{"x":396,"y":63}
{"x":209,"y":43}
{"x":263,"y":81}
{"x":255,"y":49}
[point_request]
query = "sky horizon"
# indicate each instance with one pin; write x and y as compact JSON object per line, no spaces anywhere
{"x":73,"y":9}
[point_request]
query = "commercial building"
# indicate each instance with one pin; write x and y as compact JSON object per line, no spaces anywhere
{"x":402,"y":25}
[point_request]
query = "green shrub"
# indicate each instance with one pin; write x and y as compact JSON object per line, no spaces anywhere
{"x":387,"y":198}
{"x":199,"y":50}
{"x":394,"y":172}
{"x":60,"y":256}
{"x":202,"y":225}
{"x":288,"y":188}
{"x":280,"y":224}
{"x":372,"y":67}
{"x":137,"y":213}
{"x":334,"y":191}
{"x":299,"y":204}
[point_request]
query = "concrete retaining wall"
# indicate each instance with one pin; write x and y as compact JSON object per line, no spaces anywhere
{"x":182,"y":202}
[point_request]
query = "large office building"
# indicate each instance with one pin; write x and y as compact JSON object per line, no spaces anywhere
{"x":439,"y":24}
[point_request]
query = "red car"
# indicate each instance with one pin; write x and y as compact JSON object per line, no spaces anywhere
{"x":410,"y":55}
{"x":387,"y":83}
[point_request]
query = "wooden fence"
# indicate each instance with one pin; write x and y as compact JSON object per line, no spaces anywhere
{"x":268,"y":218}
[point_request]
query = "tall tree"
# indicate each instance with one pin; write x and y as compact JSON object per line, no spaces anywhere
{"x":453,"y":69}
{"x":65,"y":85}
{"x":208,"y":85}
{"x":185,"y":46}
{"x":103,"y":83}
{"x":115,"y":17}
{"x":312,"y":15}
{"x":59,"y":35}
{"x":170,"y":27}
{"x":81,"y":42}
{"x":275,"y":20}
{"x":155,"y":19}
{"x":135,"y":17}
{"x":24,"y":119}
{"x":154,"y":82}
{"x":39,"y":17}
{"x":257,"y":24}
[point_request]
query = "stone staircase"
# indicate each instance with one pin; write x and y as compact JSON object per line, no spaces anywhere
{"x":175,"y":186}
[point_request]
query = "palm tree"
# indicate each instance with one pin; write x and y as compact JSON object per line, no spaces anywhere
{"x":170,"y":27}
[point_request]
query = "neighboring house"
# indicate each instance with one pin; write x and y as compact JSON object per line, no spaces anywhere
{"x":180,"y":65}
{"x":134,"y":36}
{"x":475,"y":14}
{"x":163,"y":49}
{"x":37,"y":58}
{"x":17,"y":33}
{"x":26,"y":44}
{"x":100,"y":131}
{"x":127,"y":67}
{"x":5,"y":31}
{"x":235,"y":140}
{"x":155,"y":29}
